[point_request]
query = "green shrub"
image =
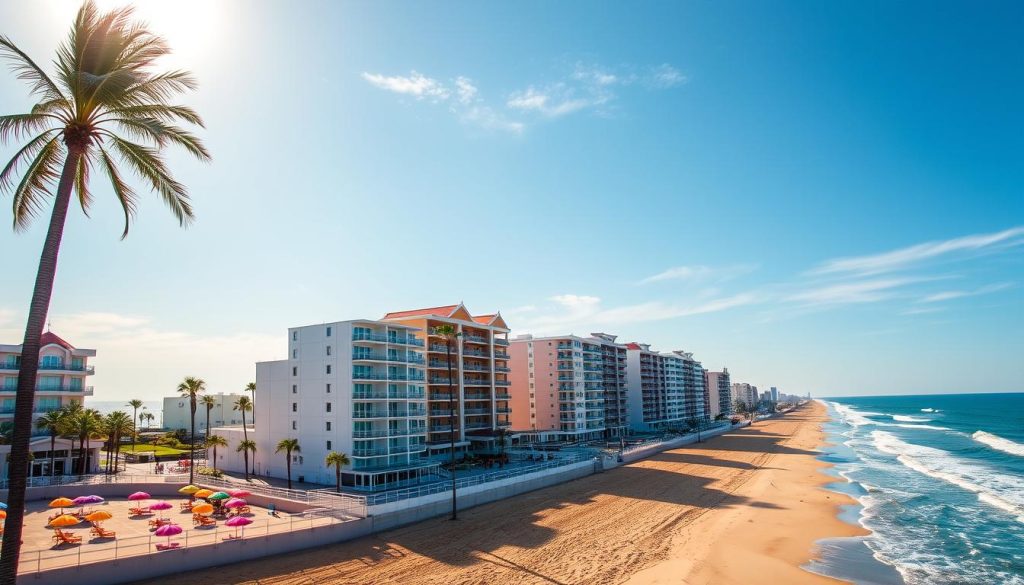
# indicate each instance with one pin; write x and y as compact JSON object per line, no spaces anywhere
{"x":209,"y":471}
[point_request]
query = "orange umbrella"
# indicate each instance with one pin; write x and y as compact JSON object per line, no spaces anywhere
{"x":98,"y":516}
{"x":203,"y":509}
{"x":203,"y":494}
{"x":3,"y":514}
{"x":64,"y":521}
{"x":62,"y":503}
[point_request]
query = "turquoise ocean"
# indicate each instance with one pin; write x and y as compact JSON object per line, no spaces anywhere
{"x":940,"y":485}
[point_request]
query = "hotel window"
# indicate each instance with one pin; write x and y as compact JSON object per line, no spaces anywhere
{"x":328,"y":407}
{"x":295,"y":353}
{"x":328,"y":427}
{"x":295,"y":407}
{"x":295,"y":389}
{"x":295,"y":425}
{"x":295,"y":335}
{"x":295,"y":371}
{"x":328,"y":445}
{"x":328,"y":368}
{"x":328,"y":350}
{"x":328,"y":388}
{"x":328,"y":335}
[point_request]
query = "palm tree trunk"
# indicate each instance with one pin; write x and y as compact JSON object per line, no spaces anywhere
{"x":192,"y":444}
{"x":53,"y":445}
{"x":135,"y":432}
{"x":215,"y":458}
{"x":25,"y":397}
{"x":337,"y":476}
{"x":288,"y":462}
{"x":245,"y":437}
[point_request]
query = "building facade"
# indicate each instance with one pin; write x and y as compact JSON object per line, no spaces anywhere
{"x":62,"y":379}
{"x":719,"y":390}
{"x":744,"y":392}
{"x":177,"y":412}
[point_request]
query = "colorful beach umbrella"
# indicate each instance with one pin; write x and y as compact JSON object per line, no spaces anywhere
{"x":62,"y":503}
{"x":3,"y":514}
{"x":168,"y":530}
{"x":98,"y":516}
{"x":93,"y":499}
{"x":238,"y":522}
{"x":64,"y":521}
{"x":203,"y":509}
{"x":3,"y":505}
{"x":138,"y":496}
{"x":80,"y":501}
{"x":203,"y":494}
{"x":218,"y":496}
{"x":240,"y":493}
{"x":235,"y":503}
{"x":189,"y":490}
{"x":161,"y":505}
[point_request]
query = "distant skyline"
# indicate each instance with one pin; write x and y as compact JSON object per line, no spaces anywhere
{"x":822,"y":198}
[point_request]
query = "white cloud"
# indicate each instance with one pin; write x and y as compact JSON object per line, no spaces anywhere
{"x":907,"y":257}
{"x":488,"y":119}
{"x":866,"y":291}
{"x":465,"y":90}
{"x":957,"y":294}
{"x":664,"y":76}
{"x":415,"y":84}
{"x":596,"y":75}
{"x":552,"y":102}
{"x":699,"y":273}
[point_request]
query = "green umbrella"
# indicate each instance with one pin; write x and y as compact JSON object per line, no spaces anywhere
{"x":218,"y":496}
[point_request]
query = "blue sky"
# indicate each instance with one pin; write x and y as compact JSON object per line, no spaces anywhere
{"x":824,"y":197}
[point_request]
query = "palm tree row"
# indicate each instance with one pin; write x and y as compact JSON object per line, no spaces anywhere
{"x":288,"y":446}
{"x":86,"y":424}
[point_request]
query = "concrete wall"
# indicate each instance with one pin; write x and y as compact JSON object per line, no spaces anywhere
{"x":684,"y":440}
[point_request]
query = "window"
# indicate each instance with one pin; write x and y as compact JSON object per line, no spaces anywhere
{"x":295,"y":389}
{"x":328,"y":350}
{"x":295,"y":335}
{"x":328,"y":368}
{"x":328,"y":442}
{"x":328,"y":388}
{"x":295,"y":407}
{"x":328,"y":335}
{"x":295,"y":371}
{"x":295,"y":425}
{"x":295,"y":353}
{"x":328,"y":428}
{"x":328,"y":407}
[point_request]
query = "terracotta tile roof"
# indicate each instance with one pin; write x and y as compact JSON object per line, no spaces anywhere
{"x":633,"y":345}
{"x":444,"y":311}
{"x":48,"y":338}
{"x":485,"y":319}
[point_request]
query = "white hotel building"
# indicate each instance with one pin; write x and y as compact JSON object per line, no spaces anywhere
{"x":355,"y":387}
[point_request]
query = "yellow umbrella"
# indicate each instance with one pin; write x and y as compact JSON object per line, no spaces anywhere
{"x":189,"y":490}
{"x":203,"y":509}
{"x":203,"y":493}
{"x":62,"y":503}
{"x":98,"y":516}
{"x":65,"y":520}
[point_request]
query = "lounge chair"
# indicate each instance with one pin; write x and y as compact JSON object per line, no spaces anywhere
{"x":200,"y":520}
{"x":139,"y":511}
{"x":158,"y":522}
{"x":186,"y":506}
{"x":61,"y":537}
{"x":170,"y":546}
{"x":100,"y":532}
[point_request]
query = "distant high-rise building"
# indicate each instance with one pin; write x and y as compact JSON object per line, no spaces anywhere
{"x":745,"y":393}
{"x":665,"y":389}
{"x":718,"y":393}
{"x":775,"y":394}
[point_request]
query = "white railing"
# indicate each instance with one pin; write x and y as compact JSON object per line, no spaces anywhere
{"x":35,"y":561}
{"x":99,"y":478}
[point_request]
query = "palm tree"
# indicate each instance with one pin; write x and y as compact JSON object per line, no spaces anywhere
{"x":86,"y":424}
{"x":245,"y":447}
{"x":191,"y":388}
{"x":51,"y":422}
{"x":215,"y":441}
{"x":251,"y":388}
{"x":243,"y":404}
{"x":149,"y":416}
{"x":116,"y":425}
{"x":450,"y":336}
{"x":208,"y":403}
{"x":69,"y":412}
{"x":135,"y":405}
{"x":104,"y":90}
{"x":337,"y":460}
{"x":288,"y":446}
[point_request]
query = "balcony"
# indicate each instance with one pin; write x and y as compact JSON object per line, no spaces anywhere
{"x":85,"y":391}
{"x":439,"y":396}
{"x":502,"y":383}
{"x":369,"y":452}
{"x":373,"y":434}
{"x":476,"y":382}
{"x":441,"y":380}
{"x":384,"y":338}
{"x":502,"y":396}
{"x":500,"y":355}
{"x":446,"y":413}
{"x":478,"y":396}
{"x":368,"y":414}
{"x":409,"y":448}
{"x":386,"y":376}
{"x":476,"y":411}
{"x":503,"y":410}
{"x":500,"y":341}
{"x":502,"y":369}
{"x":475,"y":339}
{"x":477,"y":426}
{"x":475,"y":353}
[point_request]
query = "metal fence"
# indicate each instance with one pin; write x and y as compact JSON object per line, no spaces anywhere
{"x":97,"y":479}
{"x":34,"y":561}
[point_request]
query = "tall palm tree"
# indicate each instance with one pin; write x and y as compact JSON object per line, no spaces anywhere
{"x":246,"y":447}
{"x":251,"y":388}
{"x":288,"y":446}
{"x":208,"y":403}
{"x":337,"y":461}
{"x":116,"y":425}
{"x":51,"y":422}
{"x":86,"y":424}
{"x":149,"y":416}
{"x":191,"y":388}
{"x":243,"y":405}
{"x":135,"y":405}
{"x":104,"y":100}
{"x":69,"y":413}
{"x":451,"y":336}
{"x":215,"y":441}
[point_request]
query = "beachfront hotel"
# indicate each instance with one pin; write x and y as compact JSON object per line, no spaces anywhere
{"x":665,"y":390}
{"x":63,"y":371}
{"x":745,"y":393}
{"x":718,"y":394}
{"x":177,"y":413}
{"x":356,"y":387}
{"x":480,"y":372}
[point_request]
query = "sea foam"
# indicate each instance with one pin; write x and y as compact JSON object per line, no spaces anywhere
{"x":997,"y":442}
{"x":903,"y":418}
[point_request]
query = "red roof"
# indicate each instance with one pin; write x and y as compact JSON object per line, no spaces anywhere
{"x":485,"y":319}
{"x":48,"y":338}
{"x":444,"y":311}
{"x":633,"y":345}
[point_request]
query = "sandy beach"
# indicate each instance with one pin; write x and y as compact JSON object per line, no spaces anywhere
{"x":745,"y":507}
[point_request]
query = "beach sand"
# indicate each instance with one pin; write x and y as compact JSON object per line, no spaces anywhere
{"x":745,"y":507}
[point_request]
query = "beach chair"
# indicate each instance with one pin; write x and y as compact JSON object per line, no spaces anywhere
{"x":186,"y":506}
{"x":139,"y":511}
{"x":61,"y":537}
{"x":100,"y":532}
{"x":158,"y":522}
{"x":243,"y":510}
{"x":200,"y":520}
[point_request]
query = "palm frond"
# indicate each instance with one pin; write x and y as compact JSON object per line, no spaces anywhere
{"x":161,"y":112}
{"x":29,"y":150}
{"x":157,"y":89}
{"x":27,"y":70}
{"x":18,"y":125}
{"x":125,"y":195}
{"x":162,"y":134}
{"x":148,"y":164}
{"x":41,"y":174}
{"x":82,"y":182}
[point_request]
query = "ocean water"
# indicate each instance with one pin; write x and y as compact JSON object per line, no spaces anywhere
{"x":107,"y":406}
{"x":940,"y":483}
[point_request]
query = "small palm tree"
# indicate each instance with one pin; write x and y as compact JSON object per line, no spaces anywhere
{"x":208,"y":403}
{"x":191,"y":388}
{"x":116,"y":425}
{"x":215,"y":441}
{"x":246,"y":447}
{"x":51,"y":422}
{"x":149,"y":418}
{"x":135,"y":405}
{"x":69,"y":413}
{"x":251,"y":388}
{"x":104,"y":95}
{"x":86,"y":423}
{"x":288,"y":446}
{"x":337,"y":461}
{"x":243,"y":405}
{"x":451,"y":336}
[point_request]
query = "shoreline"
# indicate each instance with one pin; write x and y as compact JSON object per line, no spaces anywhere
{"x":745,"y":507}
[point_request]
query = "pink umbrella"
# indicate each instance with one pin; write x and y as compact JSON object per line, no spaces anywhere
{"x":238,"y":522}
{"x":235,"y":503}
{"x":240,"y":493}
{"x":161,"y":505}
{"x":169,"y":530}
{"x":138,"y":496}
